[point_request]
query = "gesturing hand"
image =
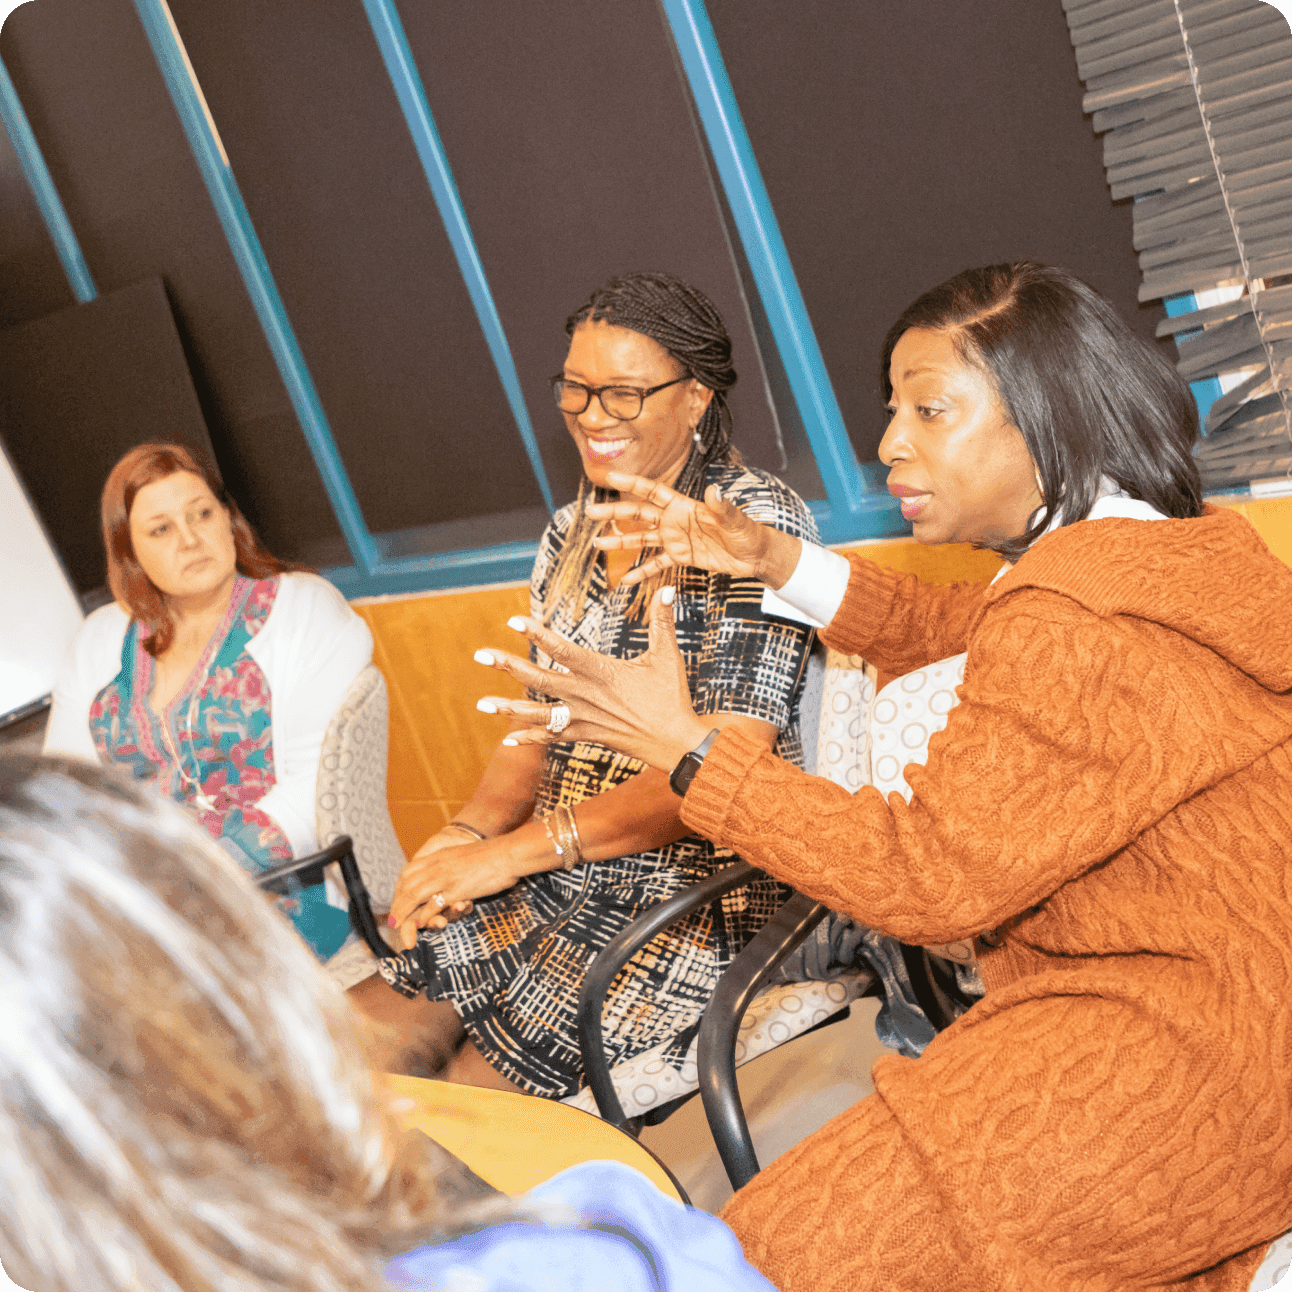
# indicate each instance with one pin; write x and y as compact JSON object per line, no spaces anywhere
{"x":712,"y":535}
{"x":641,"y":707}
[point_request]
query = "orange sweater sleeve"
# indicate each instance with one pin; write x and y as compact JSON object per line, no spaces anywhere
{"x":1074,"y":734}
{"x":899,"y":623}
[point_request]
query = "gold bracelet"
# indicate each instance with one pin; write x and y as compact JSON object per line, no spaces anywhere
{"x":568,"y":832}
{"x":574,"y":830}
{"x":466,"y":829}
{"x":556,"y":843}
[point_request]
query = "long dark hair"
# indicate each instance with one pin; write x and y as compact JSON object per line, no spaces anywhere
{"x":1089,"y":396}
{"x":683,"y":320}
{"x":143,"y":465}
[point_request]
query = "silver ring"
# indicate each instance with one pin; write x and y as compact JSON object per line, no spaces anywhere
{"x":440,"y":901}
{"x":558,"y":719}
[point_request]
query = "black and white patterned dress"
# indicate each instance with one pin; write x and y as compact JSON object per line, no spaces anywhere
{"x":514,"y":968}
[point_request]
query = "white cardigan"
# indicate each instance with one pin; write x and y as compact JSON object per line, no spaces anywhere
{"x":310,"y":650}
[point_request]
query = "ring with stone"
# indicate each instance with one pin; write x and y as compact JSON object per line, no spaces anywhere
{"x":440,"y":901}
{"x":558,"y":719}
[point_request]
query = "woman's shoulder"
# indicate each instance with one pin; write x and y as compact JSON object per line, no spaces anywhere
{"x":102,"y":633}
{"x":766,"y":498}
{"x":311,"y":618}
{"x":93,"y":656}
{"x":310,"y":595}
{"x":560,"y":524}
{"x":552,"y":541}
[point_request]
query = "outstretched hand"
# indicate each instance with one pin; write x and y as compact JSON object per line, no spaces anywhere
{"x":641,"y":707}
{"x":712,"y":535}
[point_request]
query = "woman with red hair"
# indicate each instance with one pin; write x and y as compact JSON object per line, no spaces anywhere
{"x":215,"y":671}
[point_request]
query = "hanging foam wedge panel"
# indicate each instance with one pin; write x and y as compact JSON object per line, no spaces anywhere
{"x":1194,"y":101}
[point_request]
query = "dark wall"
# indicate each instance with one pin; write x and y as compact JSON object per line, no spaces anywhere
{"x":573,"y":146}
{"x":31,"y":278}
{"x":335,"y":190}
{"x":899,"y":142}
{"x":118,"y":155}
{"x":903,"y":142}
{"x":77,"y":389}
{"x":561,"y":196}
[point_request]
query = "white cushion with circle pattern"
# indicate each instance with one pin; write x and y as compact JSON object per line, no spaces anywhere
{"x":350,"y":798}
{"x":843,"y":737}
{"x":778,"y":1015}
{"x":1275,"y":1268}
{"x":906,"y":715}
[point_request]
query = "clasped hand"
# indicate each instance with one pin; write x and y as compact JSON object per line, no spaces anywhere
{"x":442,"y":879}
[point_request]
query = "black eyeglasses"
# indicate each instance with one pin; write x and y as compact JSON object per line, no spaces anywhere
{"x":623,"y":403}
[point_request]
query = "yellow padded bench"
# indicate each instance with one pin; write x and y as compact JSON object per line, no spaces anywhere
{"x":439,"y":742}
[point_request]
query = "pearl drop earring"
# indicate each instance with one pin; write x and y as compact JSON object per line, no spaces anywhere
{"x":695,"y":435}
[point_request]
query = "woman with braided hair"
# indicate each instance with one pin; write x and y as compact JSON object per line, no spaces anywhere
{"x":575,"y":840}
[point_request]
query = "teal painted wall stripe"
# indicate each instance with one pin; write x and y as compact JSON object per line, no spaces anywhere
{"x":250,"y":257}
{"x":467,"y":567}
{"x":856,"y":508}
{"x":407,"y":83}
{"x":43,"y":190}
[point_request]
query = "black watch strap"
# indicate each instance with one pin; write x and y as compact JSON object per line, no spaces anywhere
{"x":687,"y":766}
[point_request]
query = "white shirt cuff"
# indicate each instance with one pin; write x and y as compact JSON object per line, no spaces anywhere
{"x":814,"y":592}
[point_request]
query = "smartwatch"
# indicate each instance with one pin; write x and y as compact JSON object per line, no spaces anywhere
{"x":687,"y":766}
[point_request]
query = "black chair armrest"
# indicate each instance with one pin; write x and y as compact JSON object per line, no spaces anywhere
{"x":308,"y":871}
{"x":612,"y":959}
{"x":716,"y":1052}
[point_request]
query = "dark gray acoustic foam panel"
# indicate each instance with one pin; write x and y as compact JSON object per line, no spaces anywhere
{"x":80,"y":387}
{"x":123,"y":167}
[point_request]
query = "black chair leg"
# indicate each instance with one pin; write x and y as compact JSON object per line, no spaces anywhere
{"x":716,"y":1052}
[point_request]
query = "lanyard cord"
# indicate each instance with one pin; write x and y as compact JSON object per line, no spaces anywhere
{"x":200,"y":796}
{"x":212,"y":651}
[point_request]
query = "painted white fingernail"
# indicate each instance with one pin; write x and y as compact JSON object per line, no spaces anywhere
{"x":667,"y":596}
{"x":486,"y":706}
{"x":509,"y":742}
{"x":517,"y":623}
{"x":483,"y":657}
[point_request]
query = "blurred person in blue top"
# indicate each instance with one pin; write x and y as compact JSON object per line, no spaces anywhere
{"x":187,"y":1106}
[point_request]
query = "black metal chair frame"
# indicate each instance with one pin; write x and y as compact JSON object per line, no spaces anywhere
{"x":745,"y":977}
{"x":308,"y":871}
{"x":606,"y":967}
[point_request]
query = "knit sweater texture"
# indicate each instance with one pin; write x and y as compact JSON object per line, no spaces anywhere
{"x":1113,"y":797}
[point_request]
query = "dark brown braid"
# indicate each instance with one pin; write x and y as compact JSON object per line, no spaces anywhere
{"x":683,"y":320}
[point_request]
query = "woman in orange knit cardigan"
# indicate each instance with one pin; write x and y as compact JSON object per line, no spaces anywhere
{"x":1110,"y":803}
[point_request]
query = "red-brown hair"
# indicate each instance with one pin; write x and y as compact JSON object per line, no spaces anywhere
{"x":132,"y":588}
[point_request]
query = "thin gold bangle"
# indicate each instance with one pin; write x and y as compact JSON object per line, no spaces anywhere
{"x":574,"y":830}
{"x":466,"y":829}
{"x":560,"y":852}
{"x":568,"y":832}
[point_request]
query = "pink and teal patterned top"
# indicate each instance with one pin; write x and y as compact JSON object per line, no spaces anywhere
{"x":219,"y":727}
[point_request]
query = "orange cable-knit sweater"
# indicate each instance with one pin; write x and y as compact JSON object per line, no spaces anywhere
{"x":1115,"y":789}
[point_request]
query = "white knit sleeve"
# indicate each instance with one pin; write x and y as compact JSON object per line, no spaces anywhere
{"x":93,"y":659}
